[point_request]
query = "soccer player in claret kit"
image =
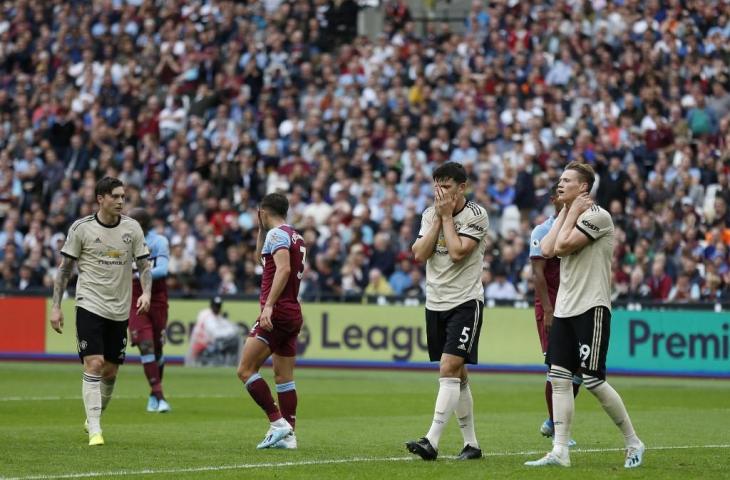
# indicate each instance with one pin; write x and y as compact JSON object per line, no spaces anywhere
{"x":148,"y":329}
{"x":452,"y":241}
{"x":275,"y":332}
{"x":546,"y":277}
{"x":105,"y":245}
{"x":583,"y":237}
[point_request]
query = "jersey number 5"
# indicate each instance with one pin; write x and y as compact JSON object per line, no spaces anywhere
{"x":300,"y":274}
{"x":464,"y":335}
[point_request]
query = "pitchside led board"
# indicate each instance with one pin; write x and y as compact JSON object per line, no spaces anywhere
{"x":688,"y":343}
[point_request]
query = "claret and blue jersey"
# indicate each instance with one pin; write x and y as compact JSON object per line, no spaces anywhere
{"x":284,"y":237}
{"x":159,"y":248}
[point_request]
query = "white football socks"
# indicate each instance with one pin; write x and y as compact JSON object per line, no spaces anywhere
{"x":446,"y":402}
{"x":465,"y":415}
{"x":91,"y":392}
{"x":613,"y":405}
{"x":563,"y":408}
{"x":107,"y":388}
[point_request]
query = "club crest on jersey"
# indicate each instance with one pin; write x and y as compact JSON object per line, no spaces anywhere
{"x":127,"y":238}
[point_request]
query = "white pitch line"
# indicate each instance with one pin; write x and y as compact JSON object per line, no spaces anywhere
{"x":248,"y":466}
{"x":52,"y":398}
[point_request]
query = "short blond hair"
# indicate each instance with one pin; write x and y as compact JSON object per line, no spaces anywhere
{"x":585,"y":171}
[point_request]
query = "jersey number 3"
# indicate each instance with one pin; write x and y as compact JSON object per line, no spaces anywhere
{"x":300,"y":273}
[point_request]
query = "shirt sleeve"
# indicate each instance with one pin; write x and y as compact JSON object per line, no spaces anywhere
{"x":162,"y":258}
{"x":476,"y":227}
{"x":595,"y":223}
{"x":276,"y":239}
{"x":426,"y":221}
{"x":72,"y":247}
{"x":139,"y":244}
{"x":538,"y":233}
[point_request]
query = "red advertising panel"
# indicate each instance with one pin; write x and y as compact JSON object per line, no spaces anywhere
{"x":22,"y":325}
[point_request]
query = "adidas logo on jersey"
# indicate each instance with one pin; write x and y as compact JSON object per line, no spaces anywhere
{"x":461,"y":347}
{"x":98,"y":240}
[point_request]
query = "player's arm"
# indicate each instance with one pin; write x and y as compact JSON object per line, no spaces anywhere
{"x":281,"y":277}
{"x":547,"y":244}
{"x":260,"y":240}
{"x":159,"y":270}
{"x":541,"y":290}
{"x":459,"y":246}
{"x":572,"y":237}
{"x":141,"y":259}
{"x":425,"y":245}
{"x":145,"y":279}
{"x":65,"y":269}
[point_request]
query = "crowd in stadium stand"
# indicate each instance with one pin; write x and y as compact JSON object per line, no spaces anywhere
{"x":202,"y":107}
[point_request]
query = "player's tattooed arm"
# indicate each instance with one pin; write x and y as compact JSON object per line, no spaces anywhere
{"x":65,"y":269}
{"x":64,"y":272}
{"x":145,"y":275}
{"x":145,"y":279}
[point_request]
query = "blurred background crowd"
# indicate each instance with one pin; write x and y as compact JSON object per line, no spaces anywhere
{"x":203,"y":107}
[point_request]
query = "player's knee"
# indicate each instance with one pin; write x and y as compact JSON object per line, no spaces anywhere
{"x":146,"y":347}
{"x":109,"y":371}
{"x":245,"y":373}
{"x":560,"y":378}
{"x":450,"y":369}
{"x":283,"y":378}
{"x":94,"y":365}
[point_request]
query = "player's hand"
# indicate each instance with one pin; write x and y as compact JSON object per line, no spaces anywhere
{"x":143,"y":304}
{"x":57,"y":319}
{"x":582,"y":203}
{"x":547,"y":320}
{"x":265,"y":318}
{"x":444,"y":203}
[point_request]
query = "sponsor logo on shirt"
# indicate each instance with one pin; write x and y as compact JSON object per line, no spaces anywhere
{"x":117,"y":256}
{"x":589,"y":225}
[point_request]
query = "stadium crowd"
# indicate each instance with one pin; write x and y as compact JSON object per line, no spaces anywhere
{"x":202,"y":107}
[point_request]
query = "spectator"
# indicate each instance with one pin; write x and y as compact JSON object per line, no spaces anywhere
{"x":660,"y":284}
{"x":500,"y":288}
{"x":401,"y":279}
{"x":205,"y":113}
{"x":383,"y":256}
{"x":684,"y":291}
{"x":378,"y":284}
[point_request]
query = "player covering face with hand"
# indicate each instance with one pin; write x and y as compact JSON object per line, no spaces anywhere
{"x":583,"y":237}
{"x":452,"y":241}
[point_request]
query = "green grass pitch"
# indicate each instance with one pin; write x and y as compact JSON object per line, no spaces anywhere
{"x":351,"y":424}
